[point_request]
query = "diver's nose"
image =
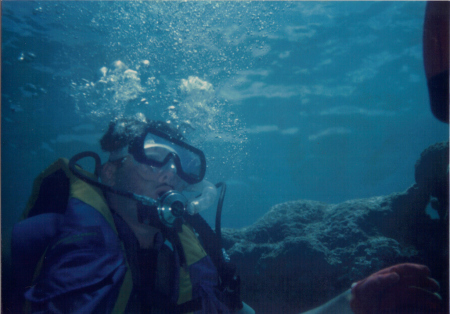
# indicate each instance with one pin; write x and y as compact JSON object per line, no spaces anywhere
{"x":167,"y":172}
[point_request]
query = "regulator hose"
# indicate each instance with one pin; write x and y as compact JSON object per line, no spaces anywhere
{"x":218,"y":227}
{"x":76,"y":171}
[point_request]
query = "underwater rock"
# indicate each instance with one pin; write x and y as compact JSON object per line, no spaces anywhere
{"x":432,"y":175}
{"x":302,"y":253}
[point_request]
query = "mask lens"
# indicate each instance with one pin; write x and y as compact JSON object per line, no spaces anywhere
{"x":190,"y":162}
{"x":148,"y":173}
{"x":156,"y":150}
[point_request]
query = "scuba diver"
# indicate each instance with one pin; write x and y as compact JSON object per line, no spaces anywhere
{"x":124,"y":239}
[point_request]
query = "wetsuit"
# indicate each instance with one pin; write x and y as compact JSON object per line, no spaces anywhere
{"x":71,"y":253}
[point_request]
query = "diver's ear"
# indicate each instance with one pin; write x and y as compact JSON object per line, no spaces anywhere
{"x":108,"y":174}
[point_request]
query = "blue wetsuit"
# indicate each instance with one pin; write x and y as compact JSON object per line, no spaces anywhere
{"x":85,"y":265}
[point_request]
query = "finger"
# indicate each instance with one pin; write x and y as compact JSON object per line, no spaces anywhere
{"x":383,"y":281}
{"x":409,"y":269}
{"x":412,"y":298}
{"x":426,"y":283}
{"x":374,"y":285}
{"x":426,"y":300}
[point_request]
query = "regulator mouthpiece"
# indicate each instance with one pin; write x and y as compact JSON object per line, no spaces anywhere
{"x":172,"y":205}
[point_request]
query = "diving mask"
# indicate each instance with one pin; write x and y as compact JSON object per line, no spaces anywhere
{"x":156,"y":149}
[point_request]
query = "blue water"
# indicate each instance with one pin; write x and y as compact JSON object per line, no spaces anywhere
{"x":289,"y":100}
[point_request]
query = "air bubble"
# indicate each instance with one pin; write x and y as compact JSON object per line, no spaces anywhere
{"x":103,"y":71}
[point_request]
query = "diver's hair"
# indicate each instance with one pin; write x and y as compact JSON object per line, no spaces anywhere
{"x":122,"y":132}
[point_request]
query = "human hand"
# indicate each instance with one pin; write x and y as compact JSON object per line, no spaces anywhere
{"x":400,"y":288}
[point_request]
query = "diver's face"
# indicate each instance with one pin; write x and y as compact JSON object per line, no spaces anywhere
{"x":147,"y":180}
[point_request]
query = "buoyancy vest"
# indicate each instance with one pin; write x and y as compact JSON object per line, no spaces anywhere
{"x":56,"y":185}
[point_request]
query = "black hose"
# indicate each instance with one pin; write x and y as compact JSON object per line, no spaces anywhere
{"x":79,"y":156}
{"x":104,"y":187}
{"x":76,"y":171}
{"x":219,"y":211}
